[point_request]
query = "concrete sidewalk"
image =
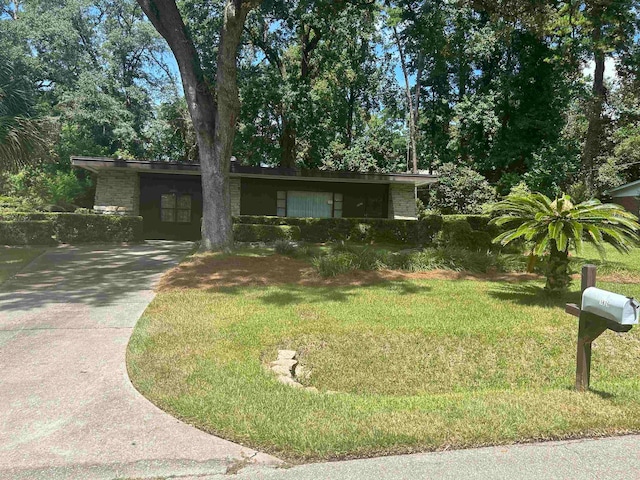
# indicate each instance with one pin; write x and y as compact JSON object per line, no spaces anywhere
{"x":67,"y":408}
{"x":602,"y":459}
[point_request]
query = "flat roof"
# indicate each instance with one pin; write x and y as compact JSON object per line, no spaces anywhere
{"x":96,"y":164}
{"x":628,"y":190}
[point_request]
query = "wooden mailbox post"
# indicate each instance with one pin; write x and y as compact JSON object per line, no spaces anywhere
{"x":590,"y":327}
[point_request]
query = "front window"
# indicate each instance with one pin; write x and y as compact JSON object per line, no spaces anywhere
{"x":309,"y":204}
{"x":175,"y":208}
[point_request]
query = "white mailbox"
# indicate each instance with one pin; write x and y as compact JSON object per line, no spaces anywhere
{"x":612,"y":306}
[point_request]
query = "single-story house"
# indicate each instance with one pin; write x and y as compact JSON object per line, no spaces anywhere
{"x":627,"y":195}
{"x":169,"y":195}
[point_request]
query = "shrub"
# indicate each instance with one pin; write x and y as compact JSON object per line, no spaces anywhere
{"x":84,"y":211}
{"x":343,"y":258}
{"x":244,"y":232}
{"x":44,"y":185}
{"x":14,"y":204}
{"x":361,"y":232}
{"x":321,"y":230}
{"x":26,"y":233}
{"x":78,"y":228}
{"x":92,"y":228}
{"x":24,"y":216}
{"x":455,"y":233}
{"x":460,"y":190}
{"x":473,"y":232}
{"x":369,"y":259}
{"x":476,"y":222}
{"x":286,"y":247}
{"x":417,"y":261}
{"x":460,"y":259}
{"x":334,"y":264}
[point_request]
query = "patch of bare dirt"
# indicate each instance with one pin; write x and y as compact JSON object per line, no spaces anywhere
{"x":207,"y":272}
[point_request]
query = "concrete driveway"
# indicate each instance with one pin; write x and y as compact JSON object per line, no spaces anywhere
{"x":67,"y":408}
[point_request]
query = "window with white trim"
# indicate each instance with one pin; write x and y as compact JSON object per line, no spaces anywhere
{"x":308,"y":204}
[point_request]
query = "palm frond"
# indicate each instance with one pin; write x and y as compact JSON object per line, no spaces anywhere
{"x":561,"y":223}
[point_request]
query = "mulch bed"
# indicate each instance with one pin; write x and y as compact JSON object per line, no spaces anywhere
{"x":212,"y":272}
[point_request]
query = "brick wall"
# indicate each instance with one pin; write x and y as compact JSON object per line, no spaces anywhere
{"x":234,"y":190}
{"x":630,"y":203}
{"x":402,"y":202}
{"x":117,"y":193}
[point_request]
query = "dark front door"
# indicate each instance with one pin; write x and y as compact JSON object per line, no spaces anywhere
{"x":171,"y":206}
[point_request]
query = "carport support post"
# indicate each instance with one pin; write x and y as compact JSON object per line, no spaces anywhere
{"x":588,"y":331}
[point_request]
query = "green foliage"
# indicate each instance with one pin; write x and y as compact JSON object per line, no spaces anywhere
{"x":460,"y":234}
{"x":74,"y":228}
{"x":36,"y":232}
{"x":77,"y":228}
{"x":247,"y":232}
{"x":379,"y":148}
{"x":335,"y":264}
{"x":460,"y":259}
{"x":556,"y":227}
{"x":97,"y":68}
{"x":42,"y":186}
{"x":319,"y":230}
{"x":22,"y":134}
{"x":343,"y":258}
{"x":14,"y":204}
{"x":460,"y":190}
{"x":285,"y":247}
{"x":170,"y":135}
{"x":501,"y":94}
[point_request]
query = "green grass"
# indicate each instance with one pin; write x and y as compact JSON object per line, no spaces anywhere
{"x":13,"y":259}
{"x":613,"y":263}
{"x":419,"y":364}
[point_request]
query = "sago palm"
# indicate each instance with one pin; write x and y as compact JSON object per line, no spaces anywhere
{"x":556,"y":227}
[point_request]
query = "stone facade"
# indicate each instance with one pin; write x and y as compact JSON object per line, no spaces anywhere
{"x":402,"y":202}
{"x":235,"y":192}
{"x":118,"y":193}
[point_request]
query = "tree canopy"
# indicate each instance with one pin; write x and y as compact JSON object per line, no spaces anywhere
{"x":535,"y":91}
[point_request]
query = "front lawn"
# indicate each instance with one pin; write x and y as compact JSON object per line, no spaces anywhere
{"x":13,"y":259}
{"x":419,"y":361}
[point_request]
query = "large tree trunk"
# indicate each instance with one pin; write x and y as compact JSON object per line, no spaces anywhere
{"x":214,"y":118}
{"x":288,"y":144}
{"x":593,"y":139}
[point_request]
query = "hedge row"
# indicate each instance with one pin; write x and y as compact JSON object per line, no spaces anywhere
{"x":246,"y":232}
{"x":49,"y":228}
{"x":36,"y":232}
{"x":317,"y":230}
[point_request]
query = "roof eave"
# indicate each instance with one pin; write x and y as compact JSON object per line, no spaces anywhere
{"x":96,"y":164}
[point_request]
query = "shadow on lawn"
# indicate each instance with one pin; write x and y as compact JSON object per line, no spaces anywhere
{"x":289,"y":294}
{"x":602,"y":394}
{"x":532,"y":295}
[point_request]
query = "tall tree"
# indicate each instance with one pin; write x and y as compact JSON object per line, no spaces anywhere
{"x":608,"y":27}
{"x":213,"y":108}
